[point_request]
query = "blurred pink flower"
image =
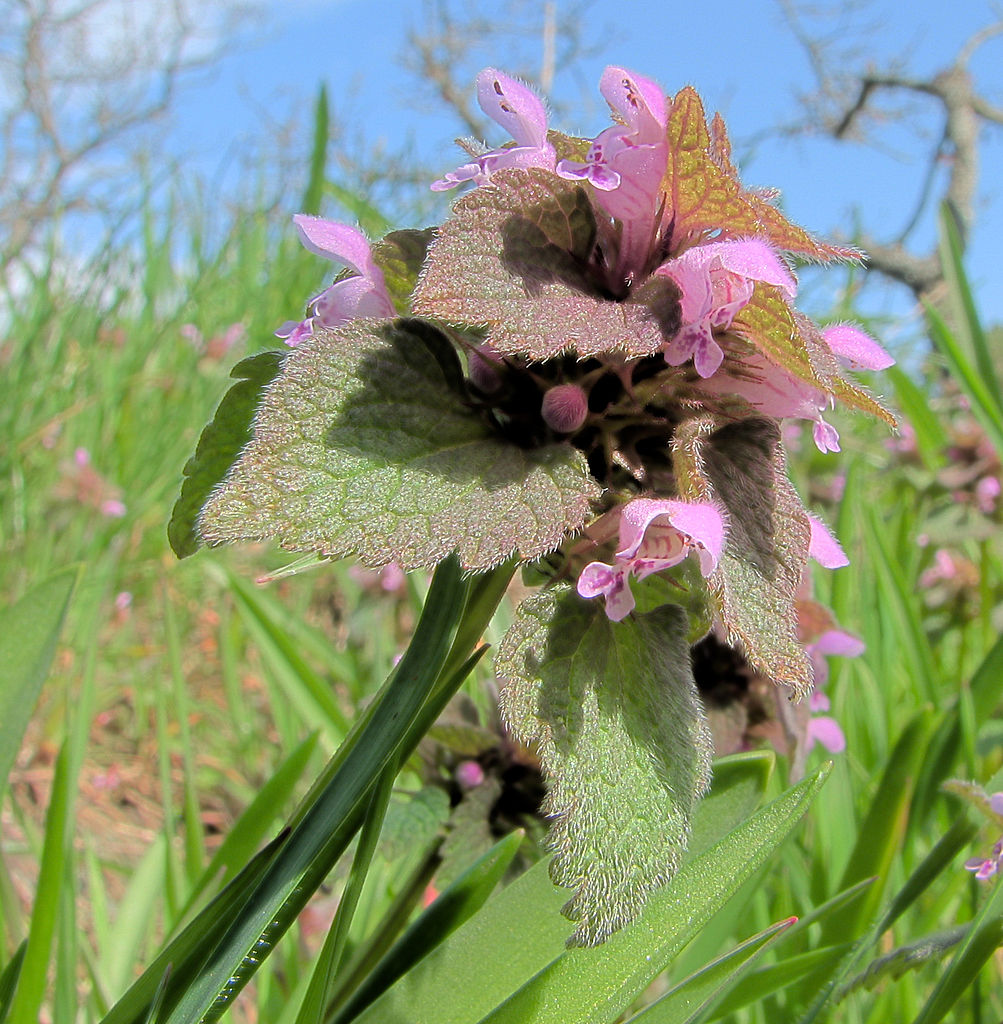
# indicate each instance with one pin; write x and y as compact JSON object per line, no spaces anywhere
{"x":987,"y":493}
{"x":986,"y":868}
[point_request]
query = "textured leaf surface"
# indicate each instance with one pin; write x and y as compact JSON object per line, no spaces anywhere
{"x":362,"y":447}
{"x":219,"y":445}
{"x":706,"y":195}
{"x":623,"y":742}
{"x":401,"y":255}
{"x":741,"y":465}
{"x":514,"y":256}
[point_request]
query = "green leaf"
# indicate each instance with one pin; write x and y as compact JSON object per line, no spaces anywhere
{"x":516,"y":257}
{"x":739,"y":782}
{"x":401,"y":256}
{"x":622,"y":740}
{"x":219,"y":445}
{"x":451,"y":908}
{"x":741,"y":466}
{"x":515,"y":935}
{"x":693,"y":997}
{"x":361,"y":447}
{"x":594,"y":986}
{"x":29,"y":631}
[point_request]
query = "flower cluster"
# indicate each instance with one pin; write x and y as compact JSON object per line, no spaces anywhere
{"x":585,"y":369}
{"x":712,"y":271}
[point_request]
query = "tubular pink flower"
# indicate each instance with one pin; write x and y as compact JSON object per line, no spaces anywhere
{"x":522,"y":114}
{"x":364,"y":295}
{"x":716,"y":281}
{"x":655,"y":534}
{"x":774,"y":391}
{"x":626,"y":164}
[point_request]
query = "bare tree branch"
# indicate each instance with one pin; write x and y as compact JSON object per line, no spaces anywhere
{"x":853,"y":104}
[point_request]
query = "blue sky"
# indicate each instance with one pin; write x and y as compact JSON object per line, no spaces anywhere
{"x":740,"y":54}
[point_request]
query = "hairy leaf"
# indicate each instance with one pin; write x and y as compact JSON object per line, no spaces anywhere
{"x":741,"y":466}
{"x":623,"y":741}
{"x":401,"y":255}
{"x":362,"y":447}
{"x":220,"y":444}
{"x":516,"y":257}
{"x":706,"y":195}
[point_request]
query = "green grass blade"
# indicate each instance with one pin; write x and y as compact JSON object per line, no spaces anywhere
{"x":694,"y":997}
{"x":783,"y":975}
{"x":739,"y":783}
{"x":326,"y":968}
{"x":250,"y":828}
{"x":451,"y":909}
{"x":931,"y":438}
{"x":184,"y":950}
{"x":946,"y":746}
{"x":771,"y":979}
{"x":307,"y":692}
{"x":596,"y":985}
{"x":881,"y":831}
{"x":324,"y":829}
{"x":983,"y":939}
{"x":939,"y":859}
{"x":985,"y":407}
{"x":967,"y":316}
{"x":318,"y":155}
{"x":31,"y":983}
{"x":29,"y":631}
{"x":8,"y":981}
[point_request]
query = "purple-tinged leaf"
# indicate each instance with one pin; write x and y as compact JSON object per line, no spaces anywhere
{"x":623,"y":740}
{"x":519,"y":255}
{"x":741,"y":467}
{"x":362,"y":446}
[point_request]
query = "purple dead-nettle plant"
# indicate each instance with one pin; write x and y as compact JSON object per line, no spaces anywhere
{"x":583,"y":369}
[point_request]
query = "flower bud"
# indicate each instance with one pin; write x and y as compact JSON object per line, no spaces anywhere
{"x":565,"y":408}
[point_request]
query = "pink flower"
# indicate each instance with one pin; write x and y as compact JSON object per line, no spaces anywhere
{"x":716,"y":281}
{"x":987,"y":493}
{"x":776,"y":392}
{"x":655,"y":534}
{"x":362,"y":295}
{"x":626,"y":164}
{"x":521,"y":113}
{"x":823,"y":729}
{"x":985,"y":868}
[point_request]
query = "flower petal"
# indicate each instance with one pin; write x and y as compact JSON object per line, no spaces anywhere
{"x":514,"y":106}
{"x":855,"y":349}
{"x":823,"y":547}
{"x":339,"y":242}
